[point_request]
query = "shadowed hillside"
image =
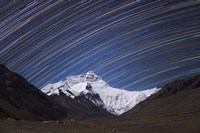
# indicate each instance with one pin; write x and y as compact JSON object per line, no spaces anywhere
{"x":175,"y":108}
{"x":21,"y":100}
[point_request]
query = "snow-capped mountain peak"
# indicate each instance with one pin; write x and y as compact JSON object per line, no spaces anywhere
{"x":94,"y":88}
{"x":89,"y":76}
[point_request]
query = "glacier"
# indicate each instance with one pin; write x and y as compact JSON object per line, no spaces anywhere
{"x":92,"y":86}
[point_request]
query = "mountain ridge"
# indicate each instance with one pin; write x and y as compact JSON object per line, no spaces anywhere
{"x":114,"y":100}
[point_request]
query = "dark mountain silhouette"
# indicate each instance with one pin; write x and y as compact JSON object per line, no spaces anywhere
{"x":21,"y":100}
{"x":82,"y":107}
{"x":175,"y":108}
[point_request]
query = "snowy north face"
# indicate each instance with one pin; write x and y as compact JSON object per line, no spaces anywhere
{"x":89,"y":85}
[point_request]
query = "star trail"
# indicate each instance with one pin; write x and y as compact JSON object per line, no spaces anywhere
{"x":131,"y":44}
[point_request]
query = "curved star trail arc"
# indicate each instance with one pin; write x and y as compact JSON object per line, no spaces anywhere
{"x":131,"y":44}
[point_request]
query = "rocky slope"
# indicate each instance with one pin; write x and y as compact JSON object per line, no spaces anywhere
{"x":21,"y":100}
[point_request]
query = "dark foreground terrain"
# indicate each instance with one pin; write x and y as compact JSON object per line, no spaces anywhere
{"x":13,"y":126}
{"x":188,"y":123}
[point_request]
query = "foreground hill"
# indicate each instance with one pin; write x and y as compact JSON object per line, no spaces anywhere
{"x":175,"y":108}
{"x":21,"y":100}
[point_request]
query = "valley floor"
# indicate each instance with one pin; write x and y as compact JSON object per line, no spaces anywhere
{"x":14,"y":126}
{"x":161,"y":124}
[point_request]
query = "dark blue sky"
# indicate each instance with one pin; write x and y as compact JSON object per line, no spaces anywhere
{"x":132,"y":45}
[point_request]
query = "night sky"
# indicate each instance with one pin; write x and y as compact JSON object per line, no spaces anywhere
{"x":131,"y":44}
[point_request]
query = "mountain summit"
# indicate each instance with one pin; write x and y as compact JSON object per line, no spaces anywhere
{"x":95,"y":89}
